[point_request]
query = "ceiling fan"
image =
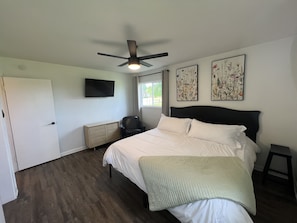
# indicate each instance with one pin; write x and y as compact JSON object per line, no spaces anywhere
{"x":134,"y":61}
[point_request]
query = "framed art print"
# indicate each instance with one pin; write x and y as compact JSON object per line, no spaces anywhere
{"x":187,"y":83}
{"x":227,"y":79}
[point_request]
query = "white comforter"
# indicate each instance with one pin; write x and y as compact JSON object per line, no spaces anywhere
{"x":124,"y":156}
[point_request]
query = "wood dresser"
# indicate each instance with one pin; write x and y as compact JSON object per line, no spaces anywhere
{"x":98,"y":134}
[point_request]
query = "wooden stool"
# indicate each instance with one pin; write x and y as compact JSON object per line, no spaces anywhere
{"x":283,"y":151}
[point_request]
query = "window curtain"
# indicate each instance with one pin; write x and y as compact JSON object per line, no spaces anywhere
{"x":136,"y":107}
{"x":165,"y":92}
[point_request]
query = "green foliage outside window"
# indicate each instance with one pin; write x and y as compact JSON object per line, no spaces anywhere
{"x":151,"y":94}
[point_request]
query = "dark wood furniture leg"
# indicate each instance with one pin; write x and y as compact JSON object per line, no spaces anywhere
{"x":282,"y":151}
{"x":266,"y":167}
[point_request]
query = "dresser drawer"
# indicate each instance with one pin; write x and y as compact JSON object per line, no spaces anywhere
{"x":101,"y":133}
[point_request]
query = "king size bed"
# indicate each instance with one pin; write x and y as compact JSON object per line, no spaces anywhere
{"x":197,"y":163}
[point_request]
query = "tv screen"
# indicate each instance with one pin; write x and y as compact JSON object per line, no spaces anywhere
{"x":99,"y":88}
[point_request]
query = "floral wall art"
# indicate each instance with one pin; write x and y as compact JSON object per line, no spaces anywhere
{"x":227,"y":79}
{"x":187,"y":83}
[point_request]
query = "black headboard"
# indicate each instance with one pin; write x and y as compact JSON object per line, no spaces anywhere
{"x":220,"y":115}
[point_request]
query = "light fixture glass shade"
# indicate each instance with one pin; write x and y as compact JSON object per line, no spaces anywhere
{"x":134,"y":66}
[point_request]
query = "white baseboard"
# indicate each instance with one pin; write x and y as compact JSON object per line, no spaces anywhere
{"x":71,"y":151}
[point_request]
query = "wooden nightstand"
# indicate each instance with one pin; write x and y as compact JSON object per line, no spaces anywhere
{"x":282,"y":151}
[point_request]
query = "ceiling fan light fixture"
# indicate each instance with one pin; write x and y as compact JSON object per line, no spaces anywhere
{"x":134,"y":66}
{"x":133,"y":63}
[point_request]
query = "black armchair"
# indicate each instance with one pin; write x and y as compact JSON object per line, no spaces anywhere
{"x":131,"y":125}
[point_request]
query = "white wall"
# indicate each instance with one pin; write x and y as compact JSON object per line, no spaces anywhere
{"x":270,"y":86}
{"x":150,"y":117}
{"x":73,"y":110}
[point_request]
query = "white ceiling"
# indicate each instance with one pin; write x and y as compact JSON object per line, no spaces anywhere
{"x":71,"y":32}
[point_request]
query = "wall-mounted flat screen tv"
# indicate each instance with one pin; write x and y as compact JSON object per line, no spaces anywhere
{"x":99,"y":88}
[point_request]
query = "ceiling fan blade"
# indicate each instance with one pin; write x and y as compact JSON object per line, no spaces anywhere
{"x":145,"y":63}
{"x":132,"y":47}
{"x":123,"y":64}
{"x":104,"y":54}
{"x":153,"y":56}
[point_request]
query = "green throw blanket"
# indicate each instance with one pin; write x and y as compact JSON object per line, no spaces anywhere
{"x":175,"y":180}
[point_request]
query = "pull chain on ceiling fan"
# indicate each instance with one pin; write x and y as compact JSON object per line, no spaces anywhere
{"x":134,"y":62}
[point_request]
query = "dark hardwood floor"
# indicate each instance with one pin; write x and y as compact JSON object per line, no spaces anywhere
{"x":275,"y":202}
{"x":76,"y":188}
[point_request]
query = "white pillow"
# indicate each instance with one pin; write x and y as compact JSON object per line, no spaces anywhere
{"x":223,"y":134}
{"x":250,"y":144}
{"x":177,"y":125}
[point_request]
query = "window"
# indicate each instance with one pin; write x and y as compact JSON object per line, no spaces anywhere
{"x":151,"y":94}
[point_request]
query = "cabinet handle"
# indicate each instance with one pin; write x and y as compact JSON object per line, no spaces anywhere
{"x":52,"y":123}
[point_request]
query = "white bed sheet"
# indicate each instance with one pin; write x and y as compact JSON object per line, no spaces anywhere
{"x":124,"y":156}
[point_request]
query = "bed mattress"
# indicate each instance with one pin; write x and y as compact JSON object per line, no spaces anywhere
{"x":124,"y":156}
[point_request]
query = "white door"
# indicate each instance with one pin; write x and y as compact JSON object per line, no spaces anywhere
{"x":8,"y":187}
{"x":32,"y":115}
{"x":2,"y":218}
